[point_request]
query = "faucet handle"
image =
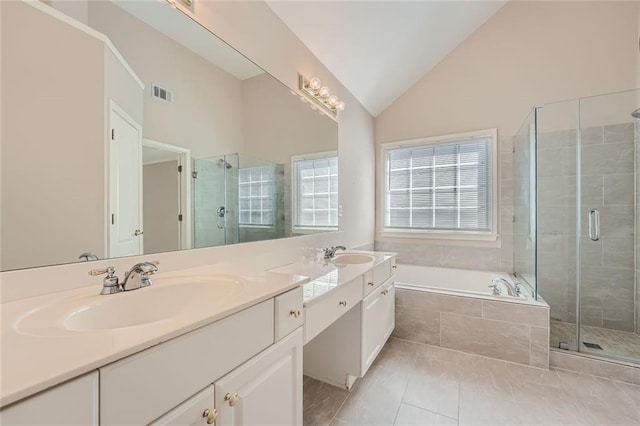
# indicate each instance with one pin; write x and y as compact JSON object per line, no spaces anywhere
{"x":109,"y":270}
{"x":110,"y":283}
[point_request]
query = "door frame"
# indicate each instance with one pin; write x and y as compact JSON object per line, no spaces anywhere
{"x":114,"y":108}
{"x":184,"y":155}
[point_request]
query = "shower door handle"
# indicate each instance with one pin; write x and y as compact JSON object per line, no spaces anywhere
{"x":594,"y":224}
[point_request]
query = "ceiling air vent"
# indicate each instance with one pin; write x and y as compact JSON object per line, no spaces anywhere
{"x":161,"y":93}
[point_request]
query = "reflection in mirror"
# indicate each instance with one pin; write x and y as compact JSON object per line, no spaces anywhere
{"x":128,"y":129}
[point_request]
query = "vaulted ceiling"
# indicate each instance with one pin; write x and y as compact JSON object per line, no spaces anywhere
{"x":379,"y":49}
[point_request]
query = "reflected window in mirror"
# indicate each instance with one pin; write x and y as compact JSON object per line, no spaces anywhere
{"x":315,"y":192}
{"x":257,"y":193}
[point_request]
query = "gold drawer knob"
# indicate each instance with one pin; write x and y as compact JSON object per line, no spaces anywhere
{"x":343,"y":303}
{"x":231,"y":398}
{"x":294,"y":313}
{"x":395,"y":266}
{"x":210,"y":415}
{"x":371,"y":284}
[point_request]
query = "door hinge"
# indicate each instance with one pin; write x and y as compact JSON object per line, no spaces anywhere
{"x":113,"y":134}
{"x":179,"y":218}
{"x":113,"y":219}
{"x":179,"y":169}
{"x":194,"y":175}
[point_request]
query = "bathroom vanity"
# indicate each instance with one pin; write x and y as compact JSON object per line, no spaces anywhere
{"x":229,"y":352}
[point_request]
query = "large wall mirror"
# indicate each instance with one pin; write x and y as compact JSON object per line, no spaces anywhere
{"x":127,"y":129}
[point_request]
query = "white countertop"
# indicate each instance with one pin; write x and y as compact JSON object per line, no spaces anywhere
{"x":327,"y":275}
{"x":36,"y":359}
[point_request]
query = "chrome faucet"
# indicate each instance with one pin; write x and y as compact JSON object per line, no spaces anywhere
{"x":330,"y":252}
{"x":512,"y":290}
{"x":138,"y":276}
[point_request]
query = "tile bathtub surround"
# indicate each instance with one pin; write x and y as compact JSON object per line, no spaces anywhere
{"x":509,"y":331}
{"x":430,"y":253}
{"x":412,"y":383}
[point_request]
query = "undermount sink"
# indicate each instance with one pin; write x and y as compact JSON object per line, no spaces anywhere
{"x":353,"y":259}
{"x":127,"y":309}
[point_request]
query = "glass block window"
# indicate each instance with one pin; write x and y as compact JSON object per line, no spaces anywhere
{"x":441,"y":185}
{"x":316,"y":192}
{"x":256,"y":195}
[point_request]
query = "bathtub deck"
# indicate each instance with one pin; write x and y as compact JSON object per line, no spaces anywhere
{"x":412,"y":383}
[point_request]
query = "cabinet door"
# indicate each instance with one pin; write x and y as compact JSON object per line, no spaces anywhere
{"x":72,"y":403}
{"x":378,"y":320}
{"x":197,"y":410}
{"x":266,"y":390}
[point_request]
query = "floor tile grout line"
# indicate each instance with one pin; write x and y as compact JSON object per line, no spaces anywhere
{"x":335,"y":416}
{"x":395,"y":418}
{"x":430,"y":411}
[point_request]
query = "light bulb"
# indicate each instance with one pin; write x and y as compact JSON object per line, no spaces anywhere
{"x":323,"y":92}
{"x":315,"y":83}
{"x":333,"y":100}
{"x":340,"y":106}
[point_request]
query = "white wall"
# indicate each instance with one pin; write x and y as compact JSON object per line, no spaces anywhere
{"x":527,"y":54}
{"x":34,"y":158}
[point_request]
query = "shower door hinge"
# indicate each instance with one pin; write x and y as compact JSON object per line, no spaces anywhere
{"x":179,"y":218}
{"x":194,"y":175}
{"x":513,"y":150}
{"x":179,"y":169}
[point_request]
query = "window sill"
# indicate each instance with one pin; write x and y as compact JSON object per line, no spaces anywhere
{"x":440,"y":236}
{"x":303,"y":231}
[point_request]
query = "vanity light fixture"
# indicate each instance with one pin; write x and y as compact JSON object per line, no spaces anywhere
{"x":320,"y":95}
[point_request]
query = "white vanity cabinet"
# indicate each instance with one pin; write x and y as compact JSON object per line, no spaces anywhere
{"x":267,"y":390}
{"x":197,"y":410}
{"x":72,"y":403}
{"x":378,"y":321}
{"x":346,"y":329}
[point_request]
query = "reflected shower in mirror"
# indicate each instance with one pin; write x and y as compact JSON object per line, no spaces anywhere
{"x":129,"y":129}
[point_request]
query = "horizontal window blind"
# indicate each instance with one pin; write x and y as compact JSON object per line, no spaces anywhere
{"x":443,"y":186}
{"x":316,"y":196}
{"x":256,"y":195}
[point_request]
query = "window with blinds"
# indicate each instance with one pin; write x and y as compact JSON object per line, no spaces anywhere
{"x":256,"y":195}
{"x":443,"y":186}
{"x":316,"y":192}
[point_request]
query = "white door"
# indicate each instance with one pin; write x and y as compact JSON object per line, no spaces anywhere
{"x":125,"y":185}
{"x":266,"y":390}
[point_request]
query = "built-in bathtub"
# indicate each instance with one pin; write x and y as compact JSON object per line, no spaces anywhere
{"x":456,"y":309}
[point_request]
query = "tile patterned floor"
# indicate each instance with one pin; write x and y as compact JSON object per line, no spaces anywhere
{"x":620,"y":344}
{"x":416,"y":384}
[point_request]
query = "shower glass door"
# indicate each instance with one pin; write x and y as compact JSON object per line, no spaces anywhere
{"x":606,"y":177}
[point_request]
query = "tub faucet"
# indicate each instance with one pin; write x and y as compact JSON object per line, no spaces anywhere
{"x":513,"y":291}
{"x":329,"y":253}
{"x":138,"y":276}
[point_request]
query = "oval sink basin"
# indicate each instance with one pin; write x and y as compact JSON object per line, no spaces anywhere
{"x":353,"y":259}
{"x":142,"y":306}
{"x":127,"y":309}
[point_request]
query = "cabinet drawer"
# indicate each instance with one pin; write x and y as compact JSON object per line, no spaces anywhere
{"x":289,"y":312}
{"x":319,"y":316}
{"x":375,"y":277}
{"x":191,"y":412}
{"x":140,"y":388}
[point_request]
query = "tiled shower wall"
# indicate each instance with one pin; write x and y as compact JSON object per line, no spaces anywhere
{"x":607,"y":266}
{"x":419,"y":252}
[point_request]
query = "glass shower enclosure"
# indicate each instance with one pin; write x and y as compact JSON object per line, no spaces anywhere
{"x":236,"y":198}
{"x":576,"y":218}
